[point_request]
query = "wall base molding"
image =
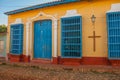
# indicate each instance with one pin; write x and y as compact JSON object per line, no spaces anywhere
{"x":115,"y":62}
{"x":14,"y":58}
{"x":66,"y":61}
{"x":70,"y":61}
{"x":95,"y":61}
{"x":55,"y":60}
{"x":25,"y":58}
{"x":84,"y":61}
{"x":18,"y":58}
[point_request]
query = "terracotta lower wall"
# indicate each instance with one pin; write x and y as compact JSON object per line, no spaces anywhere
{"x":25,"y":58}
{"x":14,"y":58}
{"x":95,"y":61}
{"x":18,"y":58}
{"x":88,"y":61}
{"x":55,"y":60}
{"x":68,"y":61}
{"x":115,"y":62}
{"x":84,"y":61}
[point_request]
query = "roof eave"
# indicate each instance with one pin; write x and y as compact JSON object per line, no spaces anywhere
{"x":54,"y":3}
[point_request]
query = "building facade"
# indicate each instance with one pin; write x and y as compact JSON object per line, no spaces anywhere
{"x":77,"y":32}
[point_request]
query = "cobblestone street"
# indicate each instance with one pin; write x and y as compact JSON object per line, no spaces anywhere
{"x":20,"y":71}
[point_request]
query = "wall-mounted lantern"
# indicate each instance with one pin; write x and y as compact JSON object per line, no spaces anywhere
{"x":93,"y":18}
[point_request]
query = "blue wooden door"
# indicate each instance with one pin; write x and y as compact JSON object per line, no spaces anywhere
{"x":43,"y":39}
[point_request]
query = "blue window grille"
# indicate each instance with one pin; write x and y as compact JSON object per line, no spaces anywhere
{"x":113,"y":23}
{"x":16,"y":38}
{"x":71,"y":37}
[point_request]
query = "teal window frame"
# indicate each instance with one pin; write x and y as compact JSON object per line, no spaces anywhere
{"x":16,"y":39}
{"x":113,"y":27}
{"x":71,"y":37}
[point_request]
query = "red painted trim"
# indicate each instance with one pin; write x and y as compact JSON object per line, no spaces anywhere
{"x":66,"y":61}
{"x":70,"y":61}
{"x":115,"y":62}
{"x":18,"y":58}
{"x":95,"y":61}
{"x":14,"y":58}
{"x":25,"y":58}
{"x":84,"y":61}
{"x":55,"y":60}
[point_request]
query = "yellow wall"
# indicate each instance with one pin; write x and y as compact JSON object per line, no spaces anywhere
{"x":86,"y":9}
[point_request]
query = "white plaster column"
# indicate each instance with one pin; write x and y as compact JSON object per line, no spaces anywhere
{"x":31,"y":40}
{"x":27,"y":38}
{"x":55,"y":38}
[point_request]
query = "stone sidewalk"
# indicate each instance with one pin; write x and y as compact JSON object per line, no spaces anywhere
{"x":32,"y":71}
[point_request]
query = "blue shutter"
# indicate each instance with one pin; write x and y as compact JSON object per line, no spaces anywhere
{"x":71,"y":37}
{"x":16,"y":37}
{"x":113,"y":23}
